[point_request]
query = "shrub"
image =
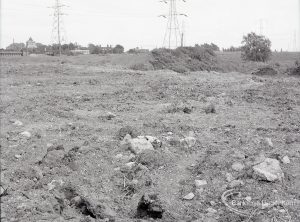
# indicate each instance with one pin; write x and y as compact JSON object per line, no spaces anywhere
{"x":256,"y":48}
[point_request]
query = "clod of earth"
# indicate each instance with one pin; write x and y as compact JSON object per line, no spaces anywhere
{"x":210,"y":109}
{"x":269,"y":170}
{"x":187,"y":110}
{"x":150,"y":206}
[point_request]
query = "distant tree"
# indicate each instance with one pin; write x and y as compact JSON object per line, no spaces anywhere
{"x":256,"y":48}
{"x":41,"y":48}
{"x":211,"y":46}
{"x":94,"y":49}
{"x":118,"y":49}
{"x":16,"y":47}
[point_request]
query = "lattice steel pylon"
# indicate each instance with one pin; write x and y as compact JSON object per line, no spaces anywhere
{"x":58,"y":30}
{"x":172,"y":35}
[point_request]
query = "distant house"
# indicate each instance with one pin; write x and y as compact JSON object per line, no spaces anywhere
{"x":30,"y":44}
{"x":138,"y":50}
{"x":106,"y":50}
{"x":80,"y":52}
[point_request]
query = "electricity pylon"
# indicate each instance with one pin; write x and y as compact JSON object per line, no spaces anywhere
{"x":57,"y":33}
{"x":173,"y":36}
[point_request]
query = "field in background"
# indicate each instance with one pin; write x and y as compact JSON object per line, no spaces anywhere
{"x":69,"y":167}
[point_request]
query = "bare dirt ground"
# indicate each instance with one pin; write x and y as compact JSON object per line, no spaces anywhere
{"x":60,"y":148}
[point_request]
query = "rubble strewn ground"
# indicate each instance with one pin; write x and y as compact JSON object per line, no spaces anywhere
{"x":88,"y":140}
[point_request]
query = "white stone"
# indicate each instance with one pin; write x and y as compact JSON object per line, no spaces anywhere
{"x":269,"y":170}
{"x":119,"y":156}
{"x":200,"y":183}
{"x":137,"y":145}
{"x":211,"y":210}
{"x":18,"y":156}
{"x":229,"y":177}
{"x":189,"y":196}
{"x":26,"y":134}
{"x":238,"y":166}
{"x":248,"y":199}
{"x":286,"y":160}
{"x":130,"y":165}
{"x":18,"y":123}
{"x":269,"y":142}
{"x":189,"y":141}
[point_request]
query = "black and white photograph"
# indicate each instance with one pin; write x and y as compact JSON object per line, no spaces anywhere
{"x":150,"y":110}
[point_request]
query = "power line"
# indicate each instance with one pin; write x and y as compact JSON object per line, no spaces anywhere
{"x":172,"y":33}
{"x":57,"y":29}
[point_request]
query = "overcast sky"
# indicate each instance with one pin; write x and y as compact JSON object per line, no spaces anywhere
{"x":135,"y":23}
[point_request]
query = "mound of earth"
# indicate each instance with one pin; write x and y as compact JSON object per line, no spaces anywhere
{"x":265,"y":71}
{"x":184,"y":59}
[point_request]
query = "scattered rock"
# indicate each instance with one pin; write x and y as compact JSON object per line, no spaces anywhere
{"x":238,"y":166}
{"x":210,"y":109}
{"x":269,"y":170}
{"x":119,"y":156}
{"x":17,"y":123}
{"x":211,"y":210}
{"x":110,"y":116}
{"x":187,"y":110}
{"x":26,"y":134}
{"x":286,"y":160}
{"x":54,"y":183}
{"x":189,"y":141}
{"x":200,"y":183}
{"x":3,"y":191}
{"x":130,"y":165}
{"x":248,"y":199}
{"x":150,"y":206}
{"x":137,"y":145}
{"x":268,"y":142}
{"x":150,"y":158}
{"x":18,"y":156}
{"x":236,"y":183}
{"x":189,"y":196}
{"x":127,"y":130}
{"x":156,"y":143}
{"x":229,"y":177}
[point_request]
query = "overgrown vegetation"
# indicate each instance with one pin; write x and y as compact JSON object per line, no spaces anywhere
{"x":185,"y":59}
{"x":256,"y":48}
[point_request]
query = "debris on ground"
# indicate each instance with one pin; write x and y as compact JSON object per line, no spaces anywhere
{"x":150,"y":206}
{"x":210,"y":109}
{"x":17,"y":123}
{"x":139,"y":144}
{"x":189,"y":196}
{"x":26,"y":134}
{"x":286,"y":160}
{"x":269,"y":170}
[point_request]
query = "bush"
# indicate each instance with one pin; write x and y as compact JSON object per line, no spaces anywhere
{"x":256,"y":48}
